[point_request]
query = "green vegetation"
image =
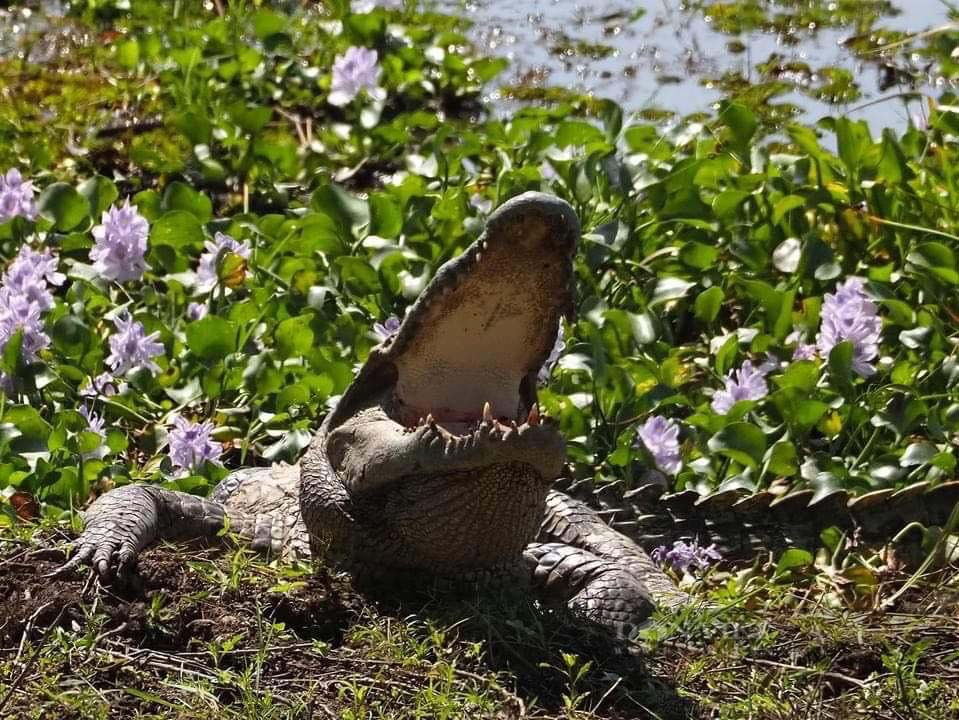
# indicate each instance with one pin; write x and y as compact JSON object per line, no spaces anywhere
{"x":705,"y":246}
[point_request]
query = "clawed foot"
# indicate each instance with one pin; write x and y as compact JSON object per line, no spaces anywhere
{"x":106,"y":552}
{"x":118,"y":526}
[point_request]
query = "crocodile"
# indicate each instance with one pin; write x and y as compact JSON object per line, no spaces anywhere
{"x":436,"y":464}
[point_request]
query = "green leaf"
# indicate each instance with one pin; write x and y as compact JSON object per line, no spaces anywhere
{"x":180,"y":196}
{"x":742,"y":125}
{"x":918,"y":453}
{"x":251,"y":119}
{"x":386,"y":220}
{"x":670,"y":288}
{"x":698,"y":255}
{"x":88,"y":441}
{"x":178,"y":229}
{"x":802,"y":375}
{"x":787,"y":204}
{"x":294,"y":336}
{"x":938,"y":258}
{"x":782,"y":459}
{"x":62,"y":204}
{"x":577,"y":132}
{"x":349,"y":212}
{"x":211,"y":338}
{"x":727,"y":354}
{"x":708,"y":303}
{"x":357,"y":275}
{"x":840,"y":364}
{"x":31,"y":425}
{"x":100,"y":193}
{"x":117,"y":440}
{"x":743,"y":442}
{"x":727,"y":203}
{"x":792,"y":559}
{"x":853,"y":141}
{"x":267,"y":23}
{"x":11,"y":362}
{"x":128,"y":54}
{"x":806,"y":413}
{"x":893,"y":168}
{"x":71,"y":337}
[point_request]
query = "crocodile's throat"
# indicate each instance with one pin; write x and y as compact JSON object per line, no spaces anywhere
{"x":471,"y":347}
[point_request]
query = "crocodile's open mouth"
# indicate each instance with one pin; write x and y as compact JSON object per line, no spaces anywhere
{"x":468,"y":354}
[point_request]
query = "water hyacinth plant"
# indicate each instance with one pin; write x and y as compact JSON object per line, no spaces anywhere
{"x":191,"y":445}
{"x":222,"y":245}
{"x":16,"y":196}
{"x":24,"y":296}
{"x":386,"y":329}
{"x":685,"y":557}
{"x":121,"y":244}
{"x":747,"y":383}
{"x":131,"y":347}
{"x":849,"y":315}
{"x":660,"y":436}
{"x":354,"y":71}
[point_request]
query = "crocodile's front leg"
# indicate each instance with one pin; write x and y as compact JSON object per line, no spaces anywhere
{"x":599,"y":573}
{"x":258,"y":505}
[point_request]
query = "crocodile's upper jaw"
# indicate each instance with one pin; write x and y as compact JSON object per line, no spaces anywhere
{"x":460,"y":374}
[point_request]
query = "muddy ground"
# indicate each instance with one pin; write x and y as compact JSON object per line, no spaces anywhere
{"x":203,"y":633}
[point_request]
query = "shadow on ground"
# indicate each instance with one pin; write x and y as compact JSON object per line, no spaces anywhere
{"x":200,"y":633}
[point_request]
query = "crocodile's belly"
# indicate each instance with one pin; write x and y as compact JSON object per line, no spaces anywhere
{"x":450,"y":524}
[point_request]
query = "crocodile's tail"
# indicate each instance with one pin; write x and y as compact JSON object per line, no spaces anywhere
{"x":741,"y":523}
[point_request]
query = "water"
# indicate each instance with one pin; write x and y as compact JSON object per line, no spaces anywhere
{"x":662,"y":55}
{"x":665,"y":58}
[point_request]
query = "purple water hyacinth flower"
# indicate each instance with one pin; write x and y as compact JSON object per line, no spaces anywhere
{"x":121,"y":244}
{"x":16,"y":196}
{"x":206,"y":273}
{"x":683,"y":556}
{"x":191,"y":444}
{"x":850,"y":315}
{"x":102,"y":385}
{"x":386,"y":329}
{"x":95,"y":424}
{"x":355,"y":70}
{"x":131,"y":347}
{"x":747,"y":383}
{"x":30,"y":273}
{"x":30,"y":264}
{"x":197,"y":311}
{"x":481,"y":204}
{"x":24,"y":295}
{"x":558,"y":347}
{"x":803,"y":350}
{"x":17,"y":312}
{"x":660,"y":437}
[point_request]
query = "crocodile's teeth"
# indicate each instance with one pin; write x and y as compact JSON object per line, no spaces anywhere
{"x":487,"y":412}
{"x":533,"y":417}
{"x":431,"y":421}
